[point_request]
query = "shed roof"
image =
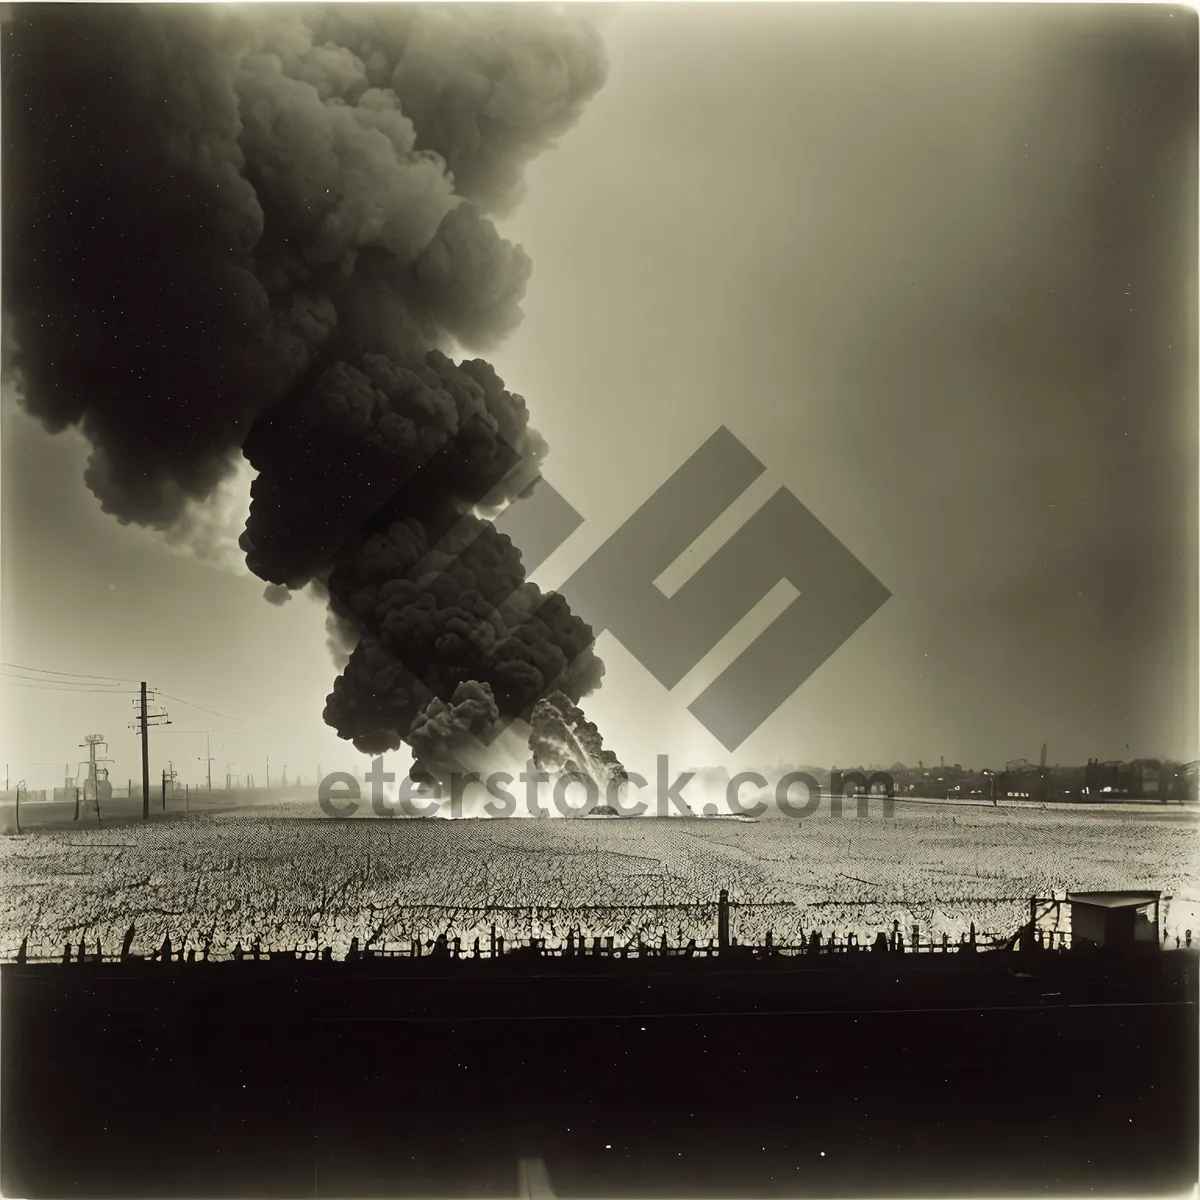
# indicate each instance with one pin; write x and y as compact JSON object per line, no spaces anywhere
{"x":1113,"y":899}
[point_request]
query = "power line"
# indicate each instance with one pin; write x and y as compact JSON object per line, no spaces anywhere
{"x":35,"y":681}
{"x":72,"y":674}
{"x":45,"y":687}
{"x":211,"y":711}
{"x":219,"y":729}
{"x":112,"y":687}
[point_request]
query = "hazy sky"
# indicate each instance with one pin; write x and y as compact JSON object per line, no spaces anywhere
{"x":935,"y":268}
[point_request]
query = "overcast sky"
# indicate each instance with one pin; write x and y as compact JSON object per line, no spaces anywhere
{"x":935,"y":268}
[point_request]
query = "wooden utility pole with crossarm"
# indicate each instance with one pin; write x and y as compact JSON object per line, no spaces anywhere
{"x":143,"y":719}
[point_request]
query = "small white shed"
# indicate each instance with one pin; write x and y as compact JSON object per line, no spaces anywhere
{"x":1114,"y":920}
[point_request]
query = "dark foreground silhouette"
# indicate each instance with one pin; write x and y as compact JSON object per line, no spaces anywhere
{"x":842,"y":1075}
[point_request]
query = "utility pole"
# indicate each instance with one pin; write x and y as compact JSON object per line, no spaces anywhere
{"x":143,"y":719}
{"x":723,"y":922}
{"x":142,"y":716}
{"x":268,"y":770}
{"x":168,"y":777}
{"x":208,"y":761}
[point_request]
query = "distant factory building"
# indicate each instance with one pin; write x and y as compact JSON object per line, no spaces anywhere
{"x":1143,"y":779}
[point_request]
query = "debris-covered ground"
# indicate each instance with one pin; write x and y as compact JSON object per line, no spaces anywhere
{"x":307,"y":883}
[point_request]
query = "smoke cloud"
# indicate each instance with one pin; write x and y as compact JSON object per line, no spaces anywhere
{"x":564,"y":742}
{"x":257,"y":235}
{"x":274,"y":594}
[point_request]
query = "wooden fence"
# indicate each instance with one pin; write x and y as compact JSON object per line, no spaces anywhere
{"x":577,"y":942}
{"x":576,"y":945}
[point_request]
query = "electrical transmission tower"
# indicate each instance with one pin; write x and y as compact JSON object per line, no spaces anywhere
{"x":144,"y":717}
{"x":89,"y":743}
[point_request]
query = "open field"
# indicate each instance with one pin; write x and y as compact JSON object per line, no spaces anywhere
{"x":291,"y":882}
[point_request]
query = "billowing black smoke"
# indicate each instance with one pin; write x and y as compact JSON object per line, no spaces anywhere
{"x":263,"y":231}
{"x":562,"y":741}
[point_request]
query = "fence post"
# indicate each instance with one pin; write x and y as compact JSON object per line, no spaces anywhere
{"x":723,"y":921}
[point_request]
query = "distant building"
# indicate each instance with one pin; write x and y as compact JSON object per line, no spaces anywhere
{"x":1114,"y":920}
{"x":1141,"y":779}
{"x":1021,"y":780}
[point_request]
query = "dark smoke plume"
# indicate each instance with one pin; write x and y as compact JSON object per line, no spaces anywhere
{"x":274,"y":594}
{"x":263,"y":231}
{"x":564,"y":742}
